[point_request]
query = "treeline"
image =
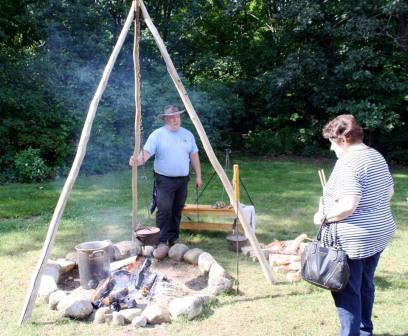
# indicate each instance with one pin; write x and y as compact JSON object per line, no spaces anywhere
{"x":263,"y":75}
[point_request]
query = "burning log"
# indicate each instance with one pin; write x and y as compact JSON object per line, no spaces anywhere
{"x":148,"y":284}
{"x":142,"y":273}
{"x":135,"y":265}
{"x":103,"y":289}
{"x":120,"y":290}
{"x":115,"y":296}
{"x":122,"y":263}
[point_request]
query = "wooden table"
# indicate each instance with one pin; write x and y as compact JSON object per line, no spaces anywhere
{"x":192,"y":210}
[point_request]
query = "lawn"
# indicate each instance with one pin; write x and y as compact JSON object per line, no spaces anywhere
{"x":285,"y":194}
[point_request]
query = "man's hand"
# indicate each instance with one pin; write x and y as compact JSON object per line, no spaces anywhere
{"x":141,"y":159}
{"x":198,"y":182}
{"x":195,"y":162}
{"x":132,"y":161}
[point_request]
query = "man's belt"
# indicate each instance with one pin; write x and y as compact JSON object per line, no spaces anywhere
{"x":170,"y":177}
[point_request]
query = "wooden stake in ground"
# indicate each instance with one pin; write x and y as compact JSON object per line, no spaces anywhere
{"x":62,"y":201}
{"x":206,"y":143}
{"x":235,"y":183}
{"x":138,"y":114}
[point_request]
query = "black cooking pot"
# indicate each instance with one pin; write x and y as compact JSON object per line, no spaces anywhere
{"x":148,"y":235}
{"x":236,"y":240}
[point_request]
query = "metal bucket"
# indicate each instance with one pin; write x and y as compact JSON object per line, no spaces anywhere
{"x":93,"y":262}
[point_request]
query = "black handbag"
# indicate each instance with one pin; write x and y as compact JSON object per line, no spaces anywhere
{"x":325,"y":267}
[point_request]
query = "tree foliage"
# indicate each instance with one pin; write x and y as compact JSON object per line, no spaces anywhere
{"x":263,"y":75}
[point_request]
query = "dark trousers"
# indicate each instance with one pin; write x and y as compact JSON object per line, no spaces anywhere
{"x":355,"y":302}
{"x":171,"y":197}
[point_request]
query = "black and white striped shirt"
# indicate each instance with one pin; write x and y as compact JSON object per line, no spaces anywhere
{"x":362,"y":172}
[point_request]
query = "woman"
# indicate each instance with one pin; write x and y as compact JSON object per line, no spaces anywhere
{"x":357,"y":196}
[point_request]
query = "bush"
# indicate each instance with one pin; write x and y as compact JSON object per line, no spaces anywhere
{"x":30,"y":167}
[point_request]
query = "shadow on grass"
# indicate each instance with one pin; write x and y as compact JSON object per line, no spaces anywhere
{"x":208,"y":308}
{"x":382,"y":282}
{"x":20,"y":248}
{"x":21,"y":224}
{"x":35,"y":242}
{"x":29,"y":235}
{"x":57,"y":322}
{"x":241,"y":297}
{"x":391,"y":280}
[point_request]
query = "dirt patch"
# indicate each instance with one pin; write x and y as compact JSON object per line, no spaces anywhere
{"x":184,"y":274}
{"x":69,"y":281}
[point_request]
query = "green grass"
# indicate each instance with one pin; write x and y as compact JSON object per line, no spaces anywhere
{"x":285,"y":194}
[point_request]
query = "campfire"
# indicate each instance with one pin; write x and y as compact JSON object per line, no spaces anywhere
{"x":128,"y":286}
{"x":134,"y":288}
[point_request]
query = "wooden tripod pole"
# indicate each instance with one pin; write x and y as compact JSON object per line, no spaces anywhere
{"x":138,"y":114}
{"x":206,"y":143}
{"x":62,"y":201}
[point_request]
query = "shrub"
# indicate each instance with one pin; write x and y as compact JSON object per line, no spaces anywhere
{"x":30,"y":167}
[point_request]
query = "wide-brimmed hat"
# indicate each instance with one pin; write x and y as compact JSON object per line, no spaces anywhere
{"x":171,"y":110}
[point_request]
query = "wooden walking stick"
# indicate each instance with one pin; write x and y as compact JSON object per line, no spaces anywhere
{"x":138,"y":114}
{"x":322,"y":177}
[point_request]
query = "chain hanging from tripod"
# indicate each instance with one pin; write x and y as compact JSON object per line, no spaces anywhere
{"x":198,"y":195}
{"x":226,"y":168}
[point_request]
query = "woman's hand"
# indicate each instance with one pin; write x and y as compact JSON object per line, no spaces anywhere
{"x":319,"y":215}
{"x":343,"y":208}
{"x":318,"y":218}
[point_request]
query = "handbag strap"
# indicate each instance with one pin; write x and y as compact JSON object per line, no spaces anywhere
{"x":319,"y":232}
{"x":334,"y":242}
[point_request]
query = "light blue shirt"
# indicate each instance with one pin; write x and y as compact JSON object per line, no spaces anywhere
{"x":171,"y":150}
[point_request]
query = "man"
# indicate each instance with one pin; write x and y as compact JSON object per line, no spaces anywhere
{"x":173,"y":147}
